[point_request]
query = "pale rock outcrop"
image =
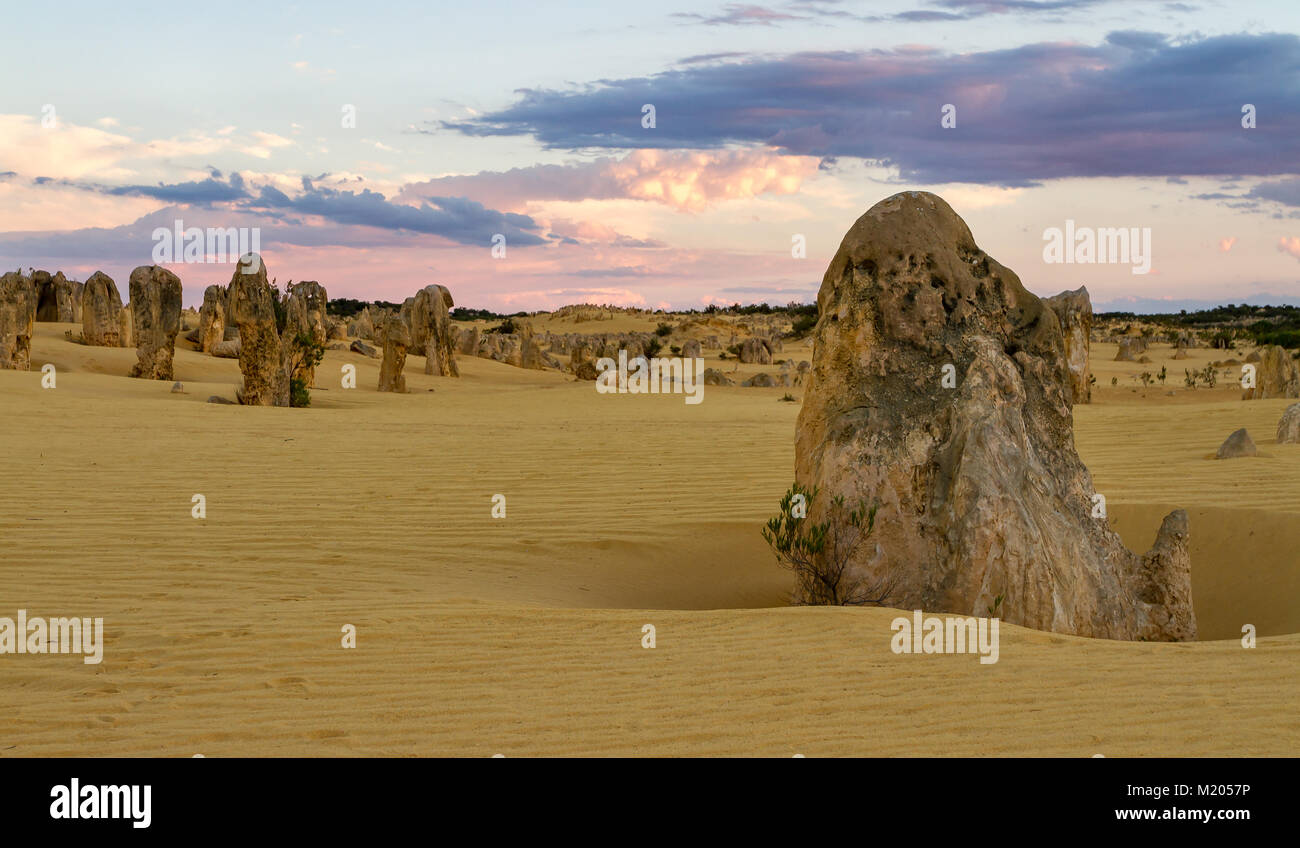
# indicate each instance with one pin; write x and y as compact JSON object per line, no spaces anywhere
{"x":396,"y":340}
{"x":101,"y":312}
{"x":468,"y":341}
{"x":362,"y":327}
{"x":1276,"y":375}
{"x":1288,"y":429}
{"x":156,"y":319}
{"x":530,"y":349}
{"x":57,"y":298}
{"x":714,"y":377}
{"x":581,"y":362}
{"x":1129,"y":349}
{"x":212,"y":318}
{"x":1237,"y":445}
{"x":252,"y":304}
{"x":691,"y":349}
{"x":979,"y":487}
{"x":126,"y":326}
{"x":431,"y":330}
{"x":757,"y":351}
{"x":364,"y":349}
{"x":1074,"y":310}
{"x":226,"y":349}
{"x":17,"y":318}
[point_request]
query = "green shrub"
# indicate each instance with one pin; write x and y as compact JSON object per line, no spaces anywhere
{"x":299,"y":394}
{"x":820,"y":554}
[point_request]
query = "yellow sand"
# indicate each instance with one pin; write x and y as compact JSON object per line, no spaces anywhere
{"x":522,"y":635}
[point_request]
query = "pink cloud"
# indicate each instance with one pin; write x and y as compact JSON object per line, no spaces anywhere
{"x":687,"y":180}
{"x":1290,"y":245}
{"x":1225,"y":244}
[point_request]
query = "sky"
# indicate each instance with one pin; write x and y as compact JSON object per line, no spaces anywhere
{"x":504,"y":149}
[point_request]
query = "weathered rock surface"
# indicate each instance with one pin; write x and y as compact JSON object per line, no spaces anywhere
{"x":101,"y":312}
{"x":756,"y":351}
{"x":227,"y":349}
{"x":1074,"y":310}
{"x":530,"y":349}
{"x":1276,"y":375}
{"x":980,"y":490}
{"x":252,"y":304}
{"x":1130,"y":347}
{"x":57,"y":298}
{"x":156,"y":319}
{"x":431,"y":330}
{"x":691,"y":349}
{"x":714,"y":377}
{"x":364,"y":349}
{"x":212,"y":318}
{"x":304,"y":329}
{"x":1288,"y":429}
{"x":1237,"y":445}
{"x":396,"y":340}
{"x":362,"y":327}
{"x":17,"y":317}
{"x":467,"y":342}
{"x":126,"y":326}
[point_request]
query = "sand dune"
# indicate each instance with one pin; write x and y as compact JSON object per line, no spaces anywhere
{"x":522,"y":635}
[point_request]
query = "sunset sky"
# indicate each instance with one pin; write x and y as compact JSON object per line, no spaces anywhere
{"x":771,"y":122}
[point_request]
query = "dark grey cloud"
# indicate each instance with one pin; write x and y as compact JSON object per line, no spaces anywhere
{"x":1286,"y":192}
{"x":456,"y":218}
{"x":1136,"y":105}
{"x":211,"y":190}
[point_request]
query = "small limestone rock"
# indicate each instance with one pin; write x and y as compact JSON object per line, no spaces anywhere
{"x":1237,"y":445}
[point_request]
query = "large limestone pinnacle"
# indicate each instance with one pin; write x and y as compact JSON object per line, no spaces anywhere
{"x":981,"y":491}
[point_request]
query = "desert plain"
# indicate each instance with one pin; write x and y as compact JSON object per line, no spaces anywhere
{"x":522,"y":635}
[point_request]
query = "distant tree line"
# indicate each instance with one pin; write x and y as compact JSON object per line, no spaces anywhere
{"x":1223,"y":326}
